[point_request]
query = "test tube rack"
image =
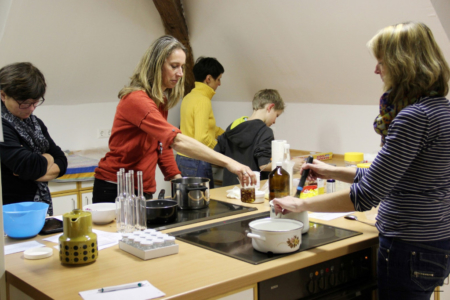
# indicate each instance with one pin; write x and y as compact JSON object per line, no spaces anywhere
{"x":149,"y":254}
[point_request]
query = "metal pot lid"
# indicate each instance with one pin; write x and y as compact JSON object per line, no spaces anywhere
{"x":275,"y":225}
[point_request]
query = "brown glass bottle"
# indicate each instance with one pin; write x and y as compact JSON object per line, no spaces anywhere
{"x":278,"y":182}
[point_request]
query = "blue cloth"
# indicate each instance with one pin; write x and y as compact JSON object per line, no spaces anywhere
{"x":190,"y":167}
{"x":411,"y":270}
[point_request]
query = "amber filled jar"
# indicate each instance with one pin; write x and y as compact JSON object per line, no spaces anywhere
{"x":278,"y":183}
{"x":248,"y":194}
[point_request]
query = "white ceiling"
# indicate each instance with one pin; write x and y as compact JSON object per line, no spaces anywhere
{"x":311,"y":51}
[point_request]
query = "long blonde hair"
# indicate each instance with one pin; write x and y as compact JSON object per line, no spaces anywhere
{"x":413,"y":62}
{"x":148,"y":74}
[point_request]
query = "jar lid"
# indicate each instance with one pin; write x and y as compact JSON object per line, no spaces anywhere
{"x":38,"y":253}
{"x":354,"y":156}
{"x":363,"y":165}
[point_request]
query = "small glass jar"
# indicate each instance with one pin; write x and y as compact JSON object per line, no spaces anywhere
{"x":169,"y":241}
{"x":158,"y":243}
{"x":248,"y":194}
{"x":331,"y":186}
{"x":137,"y":233}
{"x":146,"y":245}
{"x":137,"y":243}
{"x":149,"y":231}
{"x":131,"y":238}
{"x":125,"y":236}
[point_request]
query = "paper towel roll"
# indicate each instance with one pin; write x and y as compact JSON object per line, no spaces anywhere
{"x":277,"y":152}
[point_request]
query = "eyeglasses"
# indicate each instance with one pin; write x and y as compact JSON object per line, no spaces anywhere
{"x":23,"y":105}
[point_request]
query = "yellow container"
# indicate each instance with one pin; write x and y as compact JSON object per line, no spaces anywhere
{"x":363,"y":165}
{"x":352,"y":159}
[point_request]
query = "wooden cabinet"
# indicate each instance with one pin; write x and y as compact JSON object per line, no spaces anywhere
{"x":69,"y":195}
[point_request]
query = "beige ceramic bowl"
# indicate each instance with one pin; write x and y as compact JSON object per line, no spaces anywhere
{"x":102,"y":213}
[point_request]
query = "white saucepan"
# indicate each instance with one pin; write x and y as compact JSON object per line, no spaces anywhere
{"x":299,"y":216}
{"x":276,"y":235}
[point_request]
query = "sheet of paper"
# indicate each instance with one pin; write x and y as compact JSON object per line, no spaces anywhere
{"x":104,"y":239}
{"x":20,"y":247}
{"x":328,"y":216}
{"x":146,"y":291}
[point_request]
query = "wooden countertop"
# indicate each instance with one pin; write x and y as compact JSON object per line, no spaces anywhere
{"x":193,"y":273}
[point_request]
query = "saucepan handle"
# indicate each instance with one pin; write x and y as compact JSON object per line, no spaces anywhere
{"x":256,"y":236}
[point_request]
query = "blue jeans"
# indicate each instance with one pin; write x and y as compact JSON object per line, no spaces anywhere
{"x":411,"y":270}
{"x":190,"y":167}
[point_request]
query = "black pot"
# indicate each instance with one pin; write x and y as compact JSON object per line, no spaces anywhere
{"x":161,"y":211}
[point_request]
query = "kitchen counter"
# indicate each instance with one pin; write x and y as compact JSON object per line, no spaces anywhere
{"x":193,"y":273}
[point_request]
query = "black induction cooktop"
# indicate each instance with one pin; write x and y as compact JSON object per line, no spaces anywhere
{"x":216,"y":209}
{"x":229,"y":237}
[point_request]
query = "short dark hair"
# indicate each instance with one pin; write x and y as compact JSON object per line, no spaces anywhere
{"x":205,"y":66}
{"x":22,"y":81}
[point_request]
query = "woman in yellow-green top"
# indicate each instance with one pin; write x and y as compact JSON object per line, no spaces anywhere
{"x":197,"y":117}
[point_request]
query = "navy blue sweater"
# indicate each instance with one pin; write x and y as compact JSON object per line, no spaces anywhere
{"x":410,"y":177}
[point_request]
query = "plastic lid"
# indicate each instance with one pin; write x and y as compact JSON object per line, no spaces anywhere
{"x":354,"y":156}
{"x":38,"y":253}
{"x":279,"y":163}
{"x":363,"y":165}
{"x":259,"y":193}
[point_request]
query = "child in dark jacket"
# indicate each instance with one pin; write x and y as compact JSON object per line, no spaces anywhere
{"x":248,"y":140}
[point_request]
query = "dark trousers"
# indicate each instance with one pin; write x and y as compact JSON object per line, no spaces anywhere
{"x":107,"y":192}
{"x":190,"y":167}
{"x":411,"y":270}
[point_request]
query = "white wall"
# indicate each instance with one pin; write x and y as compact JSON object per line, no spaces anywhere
{"x":315,"y":127}
{"x":87,"y":50}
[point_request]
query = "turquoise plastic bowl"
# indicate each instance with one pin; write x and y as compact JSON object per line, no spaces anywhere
{"x":25,"y":219}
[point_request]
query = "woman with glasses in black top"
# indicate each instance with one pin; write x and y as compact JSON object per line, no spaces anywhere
{"x":29,"y":157}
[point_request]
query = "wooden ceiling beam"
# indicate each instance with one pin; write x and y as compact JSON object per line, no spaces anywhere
{"x":172,"y":16}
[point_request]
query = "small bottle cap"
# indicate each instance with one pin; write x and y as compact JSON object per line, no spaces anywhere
{"x":331,"y":180}
{"x":279,"y":163}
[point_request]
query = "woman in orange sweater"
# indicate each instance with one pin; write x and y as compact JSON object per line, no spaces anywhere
{"x":141,"y":137}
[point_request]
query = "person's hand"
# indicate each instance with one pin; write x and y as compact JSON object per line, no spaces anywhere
{"x":287,"y":204}
{"x":244,"y":173}
{"x":298,"y":162}
{"x":318,"y":169}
